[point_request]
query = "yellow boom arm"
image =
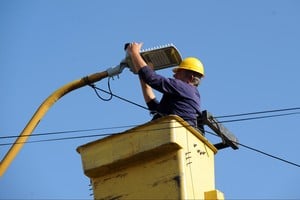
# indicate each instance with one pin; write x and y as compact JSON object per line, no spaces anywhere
{"x":159,"y":58}
{"x":44,"y":107}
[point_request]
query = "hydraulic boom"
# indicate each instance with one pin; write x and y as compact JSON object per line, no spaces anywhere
{"x":159,"y":58}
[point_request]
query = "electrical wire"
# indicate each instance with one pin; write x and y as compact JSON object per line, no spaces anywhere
{"x":112,"y":94}
{"x":110,"y":134}
{"x":269,"y":155}
{"x":131,"y":102}
{"x":259,"y":112}
{"x":92,"y":85}
{"x":260,"y":117}
{"x":224,"y":116}
{"x":126,"y":126}
{"x":72,"y":137}
{"x":129,"y":126}
{"x":65,"y":132}
{"x":217,"y":117}
{"x":126,"y":100}
{"x":260,"y":151}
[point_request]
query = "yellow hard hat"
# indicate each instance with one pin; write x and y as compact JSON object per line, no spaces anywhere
{"x":191,"y":63}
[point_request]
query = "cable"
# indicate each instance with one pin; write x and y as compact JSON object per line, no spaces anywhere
{"x":224,"y":116}
{"x":74,"y":137}
{"x":128,"y":126}
{"x":92,"y":85}
{"x":70,"y":138}
{"x":259,"y":112}
{"x":112,"y":94}
{"x":64,"y":132}
{"x":259,"y":151}
{"x":109,"y":134}
{"x":262,"y":117}
{"x":267,"y":154}
{"x":152,"y":112}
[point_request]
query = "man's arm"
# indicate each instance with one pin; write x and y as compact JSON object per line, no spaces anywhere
{"x":138,"y":63}
{"x":147,"y":91}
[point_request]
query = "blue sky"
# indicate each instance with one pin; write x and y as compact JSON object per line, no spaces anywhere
{"x":250,"y":50}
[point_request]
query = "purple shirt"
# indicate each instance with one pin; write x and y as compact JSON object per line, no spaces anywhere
{"x":179,"y":98}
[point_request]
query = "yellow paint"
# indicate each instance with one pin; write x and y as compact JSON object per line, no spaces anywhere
{"x":213,"y":195}
{"x":39,"y":114}
{"x":162,"y":159}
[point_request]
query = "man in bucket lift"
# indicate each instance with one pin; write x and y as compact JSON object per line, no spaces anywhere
{"x":180,"y":94}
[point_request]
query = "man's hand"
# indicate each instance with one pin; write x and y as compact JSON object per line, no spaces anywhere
{"x":134,"y":50}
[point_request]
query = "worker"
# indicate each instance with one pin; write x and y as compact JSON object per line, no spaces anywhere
{"x":180,"y":94}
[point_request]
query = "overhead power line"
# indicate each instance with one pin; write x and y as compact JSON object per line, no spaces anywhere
{"x":124,"y":99}
{"x":269,"y":155}
{"x":129,"y":126}
{"x":109,"y":134}
{"x":259,"y":117}
{"x":259,"y":112}
{"x":66,"y":132}
{"x":260,"y":151}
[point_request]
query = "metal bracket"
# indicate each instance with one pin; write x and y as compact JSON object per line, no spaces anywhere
{"x":114,"y":71}
{"x":228,"y":139}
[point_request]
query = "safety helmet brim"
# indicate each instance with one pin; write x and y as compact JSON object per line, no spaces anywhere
{"x":175,"y":69}
{"x":191,"y":64}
